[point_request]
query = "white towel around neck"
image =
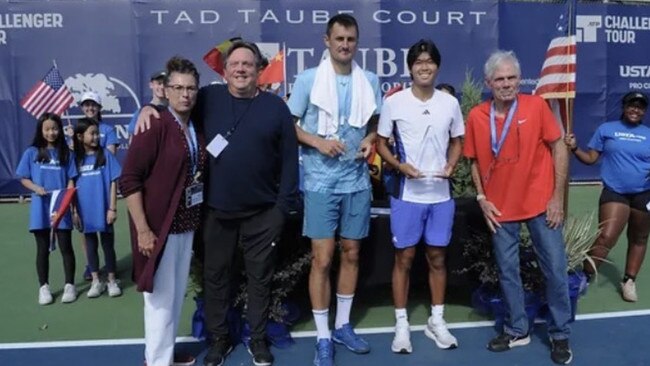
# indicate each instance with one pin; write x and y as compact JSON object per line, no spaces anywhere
{"x":323,"y":95}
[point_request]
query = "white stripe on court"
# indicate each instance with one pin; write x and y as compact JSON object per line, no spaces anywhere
{"x":302,"y":334}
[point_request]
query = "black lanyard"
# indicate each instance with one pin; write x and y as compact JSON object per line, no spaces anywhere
{"x":241,"y":117}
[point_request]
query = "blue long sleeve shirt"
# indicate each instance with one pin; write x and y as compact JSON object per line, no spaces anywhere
{"x":259,"y":166}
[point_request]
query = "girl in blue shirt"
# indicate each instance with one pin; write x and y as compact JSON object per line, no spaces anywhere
{"x":91,"y":106}
{"x":97,"y":199}
{"x":47,"y":166}
{"x":624,"y":148}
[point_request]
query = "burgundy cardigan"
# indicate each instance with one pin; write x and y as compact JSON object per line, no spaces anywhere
{"x":156,"y":164}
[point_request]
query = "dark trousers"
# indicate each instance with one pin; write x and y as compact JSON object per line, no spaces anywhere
{"x":258,"y":235}
{"x":64,"y":243}
{"x":108,"y":246}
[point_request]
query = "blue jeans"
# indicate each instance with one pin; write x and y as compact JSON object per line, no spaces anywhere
{"x":549,"y":247}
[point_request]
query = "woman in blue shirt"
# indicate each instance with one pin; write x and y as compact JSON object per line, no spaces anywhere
{"x":624,"y":148}
{"x":47,"y":166}
{"x":91,"y":106}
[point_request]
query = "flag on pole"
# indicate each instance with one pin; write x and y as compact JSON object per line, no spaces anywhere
{"x":274,"y":72}
{"x":48,"y":95}
{"x":59,"y":205}
{"x":557,"y":81}
{"x":216,"y":56}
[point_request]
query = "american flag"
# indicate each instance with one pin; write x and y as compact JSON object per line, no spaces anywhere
{"x":557,"y":81}
{"x":59,"y":205}
{"x":48,"y":95}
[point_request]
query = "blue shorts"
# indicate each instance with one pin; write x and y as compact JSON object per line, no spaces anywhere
{"x":327,"y":212}
{"x":409,"y":221}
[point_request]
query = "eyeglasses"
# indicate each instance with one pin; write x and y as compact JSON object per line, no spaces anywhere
{"x":245,"y":64}
{"x":179,"y":89}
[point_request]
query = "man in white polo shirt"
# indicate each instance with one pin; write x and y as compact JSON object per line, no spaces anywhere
{"x":427,"y":125}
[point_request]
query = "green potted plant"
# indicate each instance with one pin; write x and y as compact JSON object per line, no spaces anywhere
{"x":462,"y":185}
{"x":579,"y":236}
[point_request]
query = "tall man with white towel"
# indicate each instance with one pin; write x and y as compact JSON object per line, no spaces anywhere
{"x":338,"y":104}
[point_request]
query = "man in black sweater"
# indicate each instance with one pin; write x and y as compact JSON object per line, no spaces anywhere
{"x":250,"y":188}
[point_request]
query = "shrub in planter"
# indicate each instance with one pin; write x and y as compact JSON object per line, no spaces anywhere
{"x":461,"y":181}
{"x":579,"y":235}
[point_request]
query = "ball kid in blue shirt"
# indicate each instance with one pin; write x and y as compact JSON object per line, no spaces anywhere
{"x":97,"y":200}
{"x":47,"y":166}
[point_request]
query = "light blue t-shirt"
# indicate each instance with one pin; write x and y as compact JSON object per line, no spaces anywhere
{"x":321,"y":172}
{"x":133,"y":122}
{"x":51,"y":176}
{"x":625,"y":154}
{"x":107,"y":135}
{"x":94,"y":189}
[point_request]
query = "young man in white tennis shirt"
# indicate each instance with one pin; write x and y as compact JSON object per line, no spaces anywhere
{"x":427,"y":125}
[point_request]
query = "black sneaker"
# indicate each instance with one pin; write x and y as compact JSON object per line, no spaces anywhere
{"x":260,"y":352}
{"x":217,"y":353}
{"x":561,"y":351}
{"x":505,"y":341}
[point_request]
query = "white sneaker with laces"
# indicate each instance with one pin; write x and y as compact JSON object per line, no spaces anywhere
{"x":114,"y":289}
{"x":628,"y":291}
{"x":440,"y":334}
{"x":44,"y":295}
{"x":69,"y":293}
{"x":96,"y":289}
{"x":402,"y":340}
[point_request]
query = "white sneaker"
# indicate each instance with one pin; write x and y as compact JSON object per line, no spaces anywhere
{"x":44,"y":295}
{"x":628,"y":291}
{"x":114,"y":289}
{"x":69,"y":293}
{"x":440,"y":334}
{"x":96,"y":289}
{"x":402,"y":340}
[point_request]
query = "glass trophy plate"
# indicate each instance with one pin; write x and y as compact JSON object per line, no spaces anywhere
{"x":431,"y":159}
{"x":351,"y":152}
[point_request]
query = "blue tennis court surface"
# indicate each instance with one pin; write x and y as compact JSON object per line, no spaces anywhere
{"x":611,"y":340}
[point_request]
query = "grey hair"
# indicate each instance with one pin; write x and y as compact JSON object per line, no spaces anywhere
{"x":496,"y":59}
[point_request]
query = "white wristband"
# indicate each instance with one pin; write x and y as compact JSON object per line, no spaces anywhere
{"x":480,"y":197}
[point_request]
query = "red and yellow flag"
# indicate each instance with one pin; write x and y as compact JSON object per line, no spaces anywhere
{"x":274,"y":72}
{"x":216,"y":56}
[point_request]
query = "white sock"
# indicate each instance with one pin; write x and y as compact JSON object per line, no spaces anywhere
{"x":343,"y":308}
{"x":401,"y":317}
{"x":321,"y":318}
{"x":437,"y":312}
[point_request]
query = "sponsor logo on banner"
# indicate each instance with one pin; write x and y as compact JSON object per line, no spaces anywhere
{"x":636,"y":72}
{"x":615,"y":28}
{"x":119,"y":101}
{"x":28,"y":21}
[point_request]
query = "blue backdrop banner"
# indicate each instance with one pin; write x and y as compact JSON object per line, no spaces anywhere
{"x":111,"y":47}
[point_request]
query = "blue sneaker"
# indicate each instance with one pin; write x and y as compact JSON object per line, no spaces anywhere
{"x":347,"y":337}
{"x":324,"y":353}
